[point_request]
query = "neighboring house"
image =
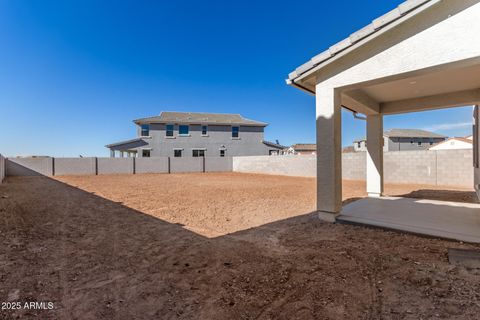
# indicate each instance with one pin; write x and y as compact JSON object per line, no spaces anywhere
{"x":404,"y":140}
{"x":454,"y":144}
{"x":302,"y":149}
{"x":188,"y":134}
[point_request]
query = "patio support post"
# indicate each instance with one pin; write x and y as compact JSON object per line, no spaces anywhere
{"x":112,"y":153}
{"x":329,"y":153}
{"x":375,"y":155}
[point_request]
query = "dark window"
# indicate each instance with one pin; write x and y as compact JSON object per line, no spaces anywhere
{"x":235,"y":131}
{"x":198,"y":153}
{"x":145,"y":130}
{"x":146,"y":153}
{"x":183,"y":130}
{"x":204,"y":130}
{"x":419,"y":143}
{"x":359,"y":144}
{"x":222,"y":153}
{"x":177,"y":153}
{"x":169,"y":130}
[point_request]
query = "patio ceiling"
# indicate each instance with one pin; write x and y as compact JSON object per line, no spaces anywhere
{"x":448,"y":87}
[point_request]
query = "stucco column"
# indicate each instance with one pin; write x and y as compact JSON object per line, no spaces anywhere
{"x":329,"y":153}
{"x":112,"y":153}
{"x":375,"y":155}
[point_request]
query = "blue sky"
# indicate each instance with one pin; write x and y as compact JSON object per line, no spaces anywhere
{"x":74,"y":74}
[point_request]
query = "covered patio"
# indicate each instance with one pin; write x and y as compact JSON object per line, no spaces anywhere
{"x":423,"y":55}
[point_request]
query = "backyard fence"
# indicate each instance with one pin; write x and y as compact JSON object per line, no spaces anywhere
{"x":96,"y":166}
{"x":2,"y":168}
{"x":442,"y":167}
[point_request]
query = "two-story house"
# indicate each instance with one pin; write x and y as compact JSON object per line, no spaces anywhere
{"x":403,"y":140}
{"x":189,"y":134}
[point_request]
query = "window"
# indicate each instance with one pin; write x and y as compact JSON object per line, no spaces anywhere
{"x":145,"y":130}
{"x":204,"y":130}
{"x":222,"y":153}
{"x":169,"y":130}
{"x":198,"y":153}
{"x":359,"y":144}
{"x":177,"y":153}
{"x":146,"y":153}
{"x":419,"y":143}
{"x":183,"y":130}
{"x":235,"y":131}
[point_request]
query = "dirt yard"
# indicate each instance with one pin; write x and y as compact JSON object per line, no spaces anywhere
{"x":216,"y":246}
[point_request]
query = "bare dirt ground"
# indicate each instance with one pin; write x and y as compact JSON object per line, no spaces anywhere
{"x":217,"y":246}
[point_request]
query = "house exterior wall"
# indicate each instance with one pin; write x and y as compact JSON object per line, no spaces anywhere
{"x":250,"y":141}
{"x":452,"y":145}
{"x":411,"y":144}
{"x":401,"y":144}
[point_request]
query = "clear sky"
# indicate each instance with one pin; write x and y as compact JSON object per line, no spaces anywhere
{"x":74,"y":74}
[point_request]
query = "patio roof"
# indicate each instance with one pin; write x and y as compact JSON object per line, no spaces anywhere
{"x":360,"y":37}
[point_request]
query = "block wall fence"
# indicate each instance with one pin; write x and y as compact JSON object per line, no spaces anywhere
{"x":442,"y":167}
{"x":2,"y":168}
{"x":98,"y":166}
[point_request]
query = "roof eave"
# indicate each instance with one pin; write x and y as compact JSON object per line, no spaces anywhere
{"x":339,"y":50}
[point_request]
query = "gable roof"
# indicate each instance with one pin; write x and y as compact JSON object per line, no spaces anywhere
{"x":200,"y":118}
{"x":355,"y":39}
{"x":305,"y":147}
{"x":407,"y":133}
{"x":273,"y":144}
{"x":411,"y":133}
{"x":462,"y":139}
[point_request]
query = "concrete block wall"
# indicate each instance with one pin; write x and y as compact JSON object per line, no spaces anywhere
{"x":455,"y":167}
{"x":443,"y":167}
{"x":218,"y":164}
{"x":93,"y":166}
{"x":300,"y":166}
{"x":115,"y":165}
{"x":419,"y":167}
{"x":74,"y":166}
{"x":179,"y":165}
{"x":354,"y":166}
{"x":152,"y":165}
{"x":30,"y":167}
{"x":2,"y":168}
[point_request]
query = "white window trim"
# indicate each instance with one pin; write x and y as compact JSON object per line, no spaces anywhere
{"x":201,"y":129}
{"x":173,"y":131}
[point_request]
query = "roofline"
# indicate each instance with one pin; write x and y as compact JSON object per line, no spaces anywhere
{"x":123,"y":142}
{"x":357,"y":39}
{"x":256,"y":124}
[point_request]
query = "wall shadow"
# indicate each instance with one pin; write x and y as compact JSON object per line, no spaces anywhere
{"x":441,"y":195}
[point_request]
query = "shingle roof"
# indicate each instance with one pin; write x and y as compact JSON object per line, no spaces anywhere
{"x":123,"y":142}
{"x":200,"y":118}
{"x":274,"y":145}
{"x":376,"y":25}
{"x":407,"y":133}
{"x":411,"y":133}
{"x":305,"y":147}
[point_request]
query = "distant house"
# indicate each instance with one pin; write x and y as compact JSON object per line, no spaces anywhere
{"x":302,"y":149}
{"x":403,"y":140}
{"x":188,"y":134}
{"x":454,"y":144}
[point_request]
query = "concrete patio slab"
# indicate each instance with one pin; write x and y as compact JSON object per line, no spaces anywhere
{"x":443,"y":219}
